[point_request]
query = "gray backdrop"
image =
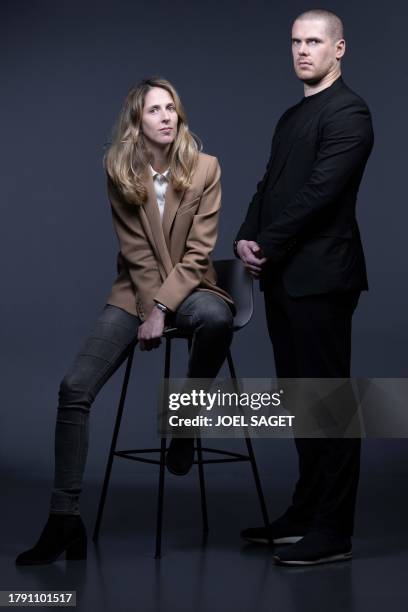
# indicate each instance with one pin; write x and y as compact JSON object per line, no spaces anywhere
{"x":66,"y":68}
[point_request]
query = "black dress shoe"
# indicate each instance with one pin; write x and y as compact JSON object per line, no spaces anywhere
{"x":180,"y":456}
{"x":62,"y":533}
{"x":316,"y":547}
{"x":281,"y":531}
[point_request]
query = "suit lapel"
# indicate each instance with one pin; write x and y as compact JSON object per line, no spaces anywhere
{"x":281,"y":154}
{"x":153,"y":225}
{"x":172,"y":203}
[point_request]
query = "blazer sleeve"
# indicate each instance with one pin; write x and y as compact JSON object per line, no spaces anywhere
{"x":249,"y":228}
{"x":189,"y":272}
{"x":135,"y":249}
{"x":346,"y":140}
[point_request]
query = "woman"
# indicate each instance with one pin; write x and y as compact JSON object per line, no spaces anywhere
{"x":165,"y":199}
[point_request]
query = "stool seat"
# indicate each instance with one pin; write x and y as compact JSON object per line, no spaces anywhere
{"x":174,"y":332}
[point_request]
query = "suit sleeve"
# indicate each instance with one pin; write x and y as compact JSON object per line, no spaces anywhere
{"x":250,"y":226}
{"x":135,"y":249}
{"x":346,"y":140}
{"x":189,"y":272}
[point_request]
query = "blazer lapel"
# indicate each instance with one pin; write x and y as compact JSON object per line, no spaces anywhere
{"x":153,"y":227}
{"x":281,"y":154}
{"x":172,"y":203}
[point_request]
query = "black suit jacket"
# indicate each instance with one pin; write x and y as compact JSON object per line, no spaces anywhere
{"x":303,"y":212}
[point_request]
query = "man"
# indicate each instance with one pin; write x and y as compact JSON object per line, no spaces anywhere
{"x":301,"y":238}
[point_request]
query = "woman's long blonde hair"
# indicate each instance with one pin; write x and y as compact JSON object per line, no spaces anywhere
{"x":127,"y":156}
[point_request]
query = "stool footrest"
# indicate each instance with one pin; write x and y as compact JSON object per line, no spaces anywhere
{"x":231,"y":460}
{"x":224,"y":452}
{"x":128,"y":454}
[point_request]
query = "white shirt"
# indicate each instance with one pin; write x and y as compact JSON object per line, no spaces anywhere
{"x":160,"y":182}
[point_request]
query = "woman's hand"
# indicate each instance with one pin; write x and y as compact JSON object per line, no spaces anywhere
{"x":151,"y":330}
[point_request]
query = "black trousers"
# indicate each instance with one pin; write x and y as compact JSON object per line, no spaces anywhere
{"x":205,"y":315}
{"x":311,"y":338}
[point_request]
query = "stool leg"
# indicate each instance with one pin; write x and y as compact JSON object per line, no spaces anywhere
{"x":160,"y":499}
{"x":257,"y":481}
{"x":202,"y":485}
{"x":250,"y":451}
{"x":203,"y":496}
{"x":113,"y":446}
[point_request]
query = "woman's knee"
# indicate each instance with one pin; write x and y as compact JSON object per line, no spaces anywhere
{"x":214,"y":314}
{"x":72,"y":393}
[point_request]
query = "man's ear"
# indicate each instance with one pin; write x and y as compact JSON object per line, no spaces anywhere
{"x":340,"y":48}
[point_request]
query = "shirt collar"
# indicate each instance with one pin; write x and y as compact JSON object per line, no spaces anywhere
{"x":155,"y":173}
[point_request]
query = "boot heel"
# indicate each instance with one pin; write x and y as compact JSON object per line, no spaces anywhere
{"x":77,"y":550}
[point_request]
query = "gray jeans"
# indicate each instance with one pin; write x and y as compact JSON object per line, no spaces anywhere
{"x":207,"y":316}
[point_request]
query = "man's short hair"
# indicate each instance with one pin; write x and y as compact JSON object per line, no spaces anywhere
{"x":333,"y":21}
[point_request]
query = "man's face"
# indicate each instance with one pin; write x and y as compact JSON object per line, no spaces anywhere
{"x":159,"y":119}
{"x":315,"y":53}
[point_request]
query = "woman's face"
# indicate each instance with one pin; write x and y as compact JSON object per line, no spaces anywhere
{"x":159,"y":118}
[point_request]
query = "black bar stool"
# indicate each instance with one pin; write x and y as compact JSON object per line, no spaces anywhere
{"x":232,"y":277}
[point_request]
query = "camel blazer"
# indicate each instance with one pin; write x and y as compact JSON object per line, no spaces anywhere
{"x":165,"y":260}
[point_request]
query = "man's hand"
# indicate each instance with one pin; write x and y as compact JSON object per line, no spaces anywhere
{"x":151,"y":330}
{"x":250,"y":254}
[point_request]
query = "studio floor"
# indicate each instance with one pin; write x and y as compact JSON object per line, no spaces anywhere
{"x":220,"y":574}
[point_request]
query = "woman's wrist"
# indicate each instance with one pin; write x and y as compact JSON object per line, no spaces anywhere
{"x":162,"y":307}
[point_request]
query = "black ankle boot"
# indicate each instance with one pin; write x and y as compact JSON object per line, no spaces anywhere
{"x":180,"y":456}
{"x":62,"y":533}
